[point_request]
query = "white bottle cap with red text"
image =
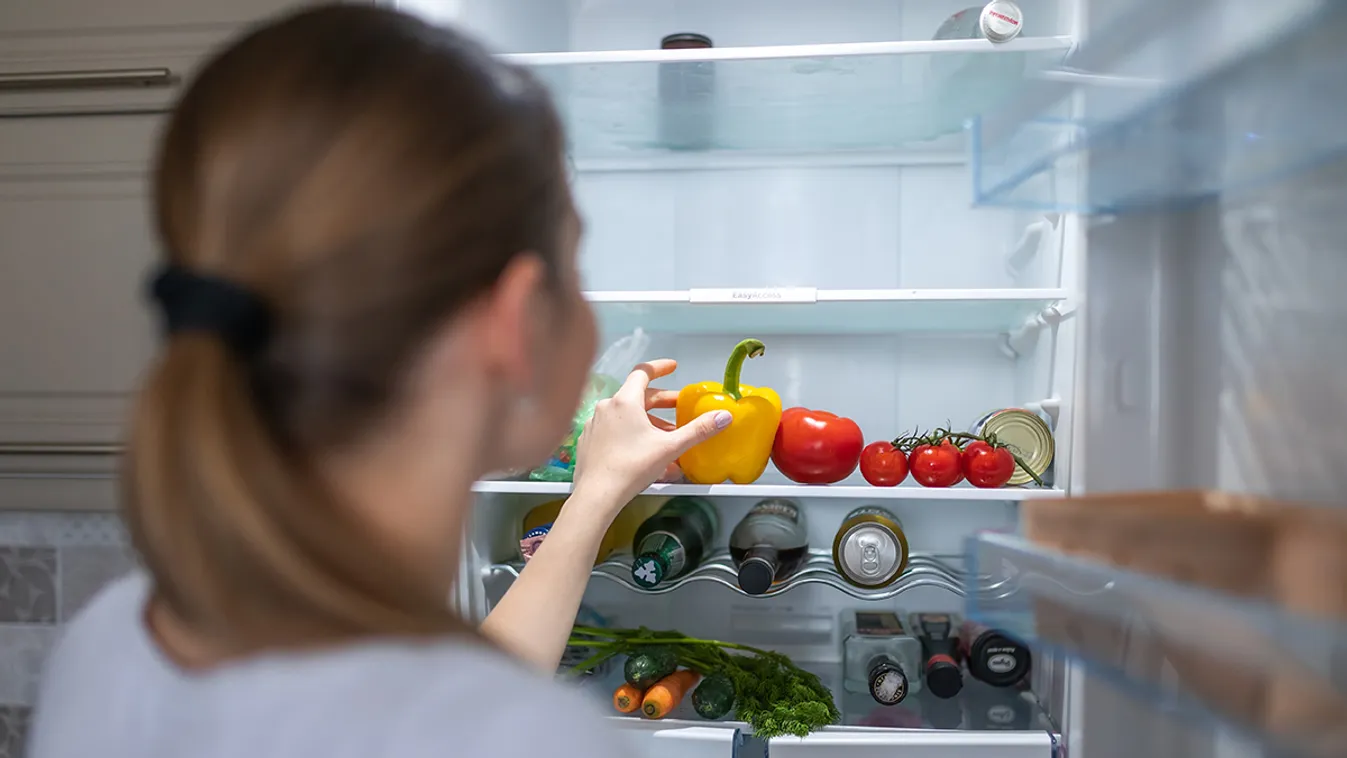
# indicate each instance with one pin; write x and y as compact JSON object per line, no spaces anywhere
{"x":1001,"y":20}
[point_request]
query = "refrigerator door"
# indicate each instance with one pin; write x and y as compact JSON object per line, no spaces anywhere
{"x":1202,"y":141}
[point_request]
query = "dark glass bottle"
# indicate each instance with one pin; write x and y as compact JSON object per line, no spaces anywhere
{"x":769,"y":544}
{"x":673,"y":541}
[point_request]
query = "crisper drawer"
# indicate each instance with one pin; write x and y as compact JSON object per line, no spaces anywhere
{"x":679,"y":738}
{"x":915,"y":744}
{"x":690,"y":739}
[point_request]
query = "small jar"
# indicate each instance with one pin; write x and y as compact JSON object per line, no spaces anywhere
{"x":687,"y":96}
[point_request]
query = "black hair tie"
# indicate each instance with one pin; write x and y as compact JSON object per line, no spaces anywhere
{"x":192,"y":302}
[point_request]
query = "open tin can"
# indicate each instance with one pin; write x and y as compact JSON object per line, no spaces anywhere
{"x":1026,"y":434}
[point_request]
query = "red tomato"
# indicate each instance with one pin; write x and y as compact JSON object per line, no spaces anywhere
{"x":936,"y":465}
{"x":816,"y":447}
{"x":883,"y":465}
{"x":986,"y":466}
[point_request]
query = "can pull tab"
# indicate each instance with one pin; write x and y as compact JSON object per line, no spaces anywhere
{"x":869,"y":555}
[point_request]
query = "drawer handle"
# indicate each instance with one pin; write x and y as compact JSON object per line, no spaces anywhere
{"x":113,"y":78}
{"x":59,"y":448}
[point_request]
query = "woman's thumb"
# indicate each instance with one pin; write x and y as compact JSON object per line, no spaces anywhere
{"x":700,"y":429}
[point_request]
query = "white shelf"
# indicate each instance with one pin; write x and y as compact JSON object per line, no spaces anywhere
{"x":981,"y":722}
{"x":853,"y":492}
{"x":775,"y":99}
{"x":804,"y":310}
{"x":789,"y":52}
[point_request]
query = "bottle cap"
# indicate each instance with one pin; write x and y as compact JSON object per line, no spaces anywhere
{"x":685,"y":40}
{"x":757,"y":571}
{"x":1001,"y":20}
{"x":888,"y":684}
{"x":648,"y":569}
{"x":944,"y":678}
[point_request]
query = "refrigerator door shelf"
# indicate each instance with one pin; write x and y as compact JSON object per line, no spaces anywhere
{"x":1172,"y":104}
{"x":1270,"y":675}
{"x":807,"y":310}
{"x":843,"y":491}
{"x":944,"y":572}
{"x":860,"y":96}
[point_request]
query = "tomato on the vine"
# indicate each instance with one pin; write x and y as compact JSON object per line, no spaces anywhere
{"x":936,"y":465}
{"x":986,"y":466}
{"x":883,"y":465}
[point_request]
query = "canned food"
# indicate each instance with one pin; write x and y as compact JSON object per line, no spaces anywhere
{"x":870,"y":549}
{"x":1026,"y":434}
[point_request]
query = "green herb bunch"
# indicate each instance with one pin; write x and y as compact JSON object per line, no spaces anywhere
{"x":772,"y":694}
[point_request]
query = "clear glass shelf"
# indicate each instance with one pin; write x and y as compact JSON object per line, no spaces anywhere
{"x":846,"y":491}
{"x":805,"y":310}
{"x":923,"y":570}
{"x":977,"y":708}
{"x":805,"y":98}
{"x":1277,"y":677}
{"x":1172,"y":104}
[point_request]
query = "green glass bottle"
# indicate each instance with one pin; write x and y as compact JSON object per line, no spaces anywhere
{"x":673,"y":541}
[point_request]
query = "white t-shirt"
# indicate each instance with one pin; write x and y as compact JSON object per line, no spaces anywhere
{"x":109,"y":692}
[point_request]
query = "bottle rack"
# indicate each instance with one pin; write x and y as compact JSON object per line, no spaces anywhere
{"x":923,"y":570}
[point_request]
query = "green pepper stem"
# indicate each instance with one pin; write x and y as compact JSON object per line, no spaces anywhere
{"x":734,"y":367}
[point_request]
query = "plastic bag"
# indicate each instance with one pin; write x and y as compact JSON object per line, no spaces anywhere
{"x":605,"y":377}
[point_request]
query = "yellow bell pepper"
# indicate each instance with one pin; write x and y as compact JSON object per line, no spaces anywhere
{"x":739,"y":453}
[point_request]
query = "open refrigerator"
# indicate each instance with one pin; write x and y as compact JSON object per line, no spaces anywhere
{"x":906,"y":223}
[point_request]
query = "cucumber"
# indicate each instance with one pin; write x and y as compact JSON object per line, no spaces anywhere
{"x":714,"y":697}
{"x":645,"y":668}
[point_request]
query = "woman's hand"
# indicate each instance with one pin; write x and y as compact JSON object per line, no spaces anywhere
{"x":624,"y":449}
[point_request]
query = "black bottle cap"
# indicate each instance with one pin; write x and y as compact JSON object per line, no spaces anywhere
{"x":888,"y":683}
{"x":944,"y":679}
{"x":999,"y":659}
{"x":757,"y":571}
{"x":685,"y":39}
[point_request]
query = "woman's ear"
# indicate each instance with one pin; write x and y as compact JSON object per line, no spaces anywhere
{"x":511,"y":323}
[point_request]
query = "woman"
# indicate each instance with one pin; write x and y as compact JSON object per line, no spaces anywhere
{"x":371,"y":300}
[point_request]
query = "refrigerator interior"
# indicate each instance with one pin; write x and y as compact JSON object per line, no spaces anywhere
{"x":905,"y":307}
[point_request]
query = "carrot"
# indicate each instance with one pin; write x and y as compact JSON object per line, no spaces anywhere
{"x":627,"y":698}
{"x":667,"y":693}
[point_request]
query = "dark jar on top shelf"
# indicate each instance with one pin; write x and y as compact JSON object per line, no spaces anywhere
{"x":687,"y":92}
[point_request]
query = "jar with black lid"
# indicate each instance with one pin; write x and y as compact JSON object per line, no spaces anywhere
{"x":687,"y":96}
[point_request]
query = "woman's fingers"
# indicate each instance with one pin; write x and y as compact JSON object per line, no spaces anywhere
{"x":657,"y":398}
{"x":638,"y":381}
{"x":661,"y":424}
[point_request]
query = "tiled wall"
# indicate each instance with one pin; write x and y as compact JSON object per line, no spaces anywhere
{"x":50,"y":565}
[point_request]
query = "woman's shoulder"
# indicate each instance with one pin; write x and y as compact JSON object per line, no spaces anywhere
{"x":473,"y":698}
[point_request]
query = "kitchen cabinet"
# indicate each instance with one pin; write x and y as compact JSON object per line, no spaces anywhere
{"x":75,"y":242}
{"x":84,"y":87}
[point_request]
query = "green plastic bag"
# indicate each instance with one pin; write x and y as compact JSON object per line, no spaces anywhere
{"x":605,"y":378}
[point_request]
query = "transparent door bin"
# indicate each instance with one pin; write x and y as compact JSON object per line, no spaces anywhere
{"x":1170,"y":105}
{"x":1247,"y":664}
